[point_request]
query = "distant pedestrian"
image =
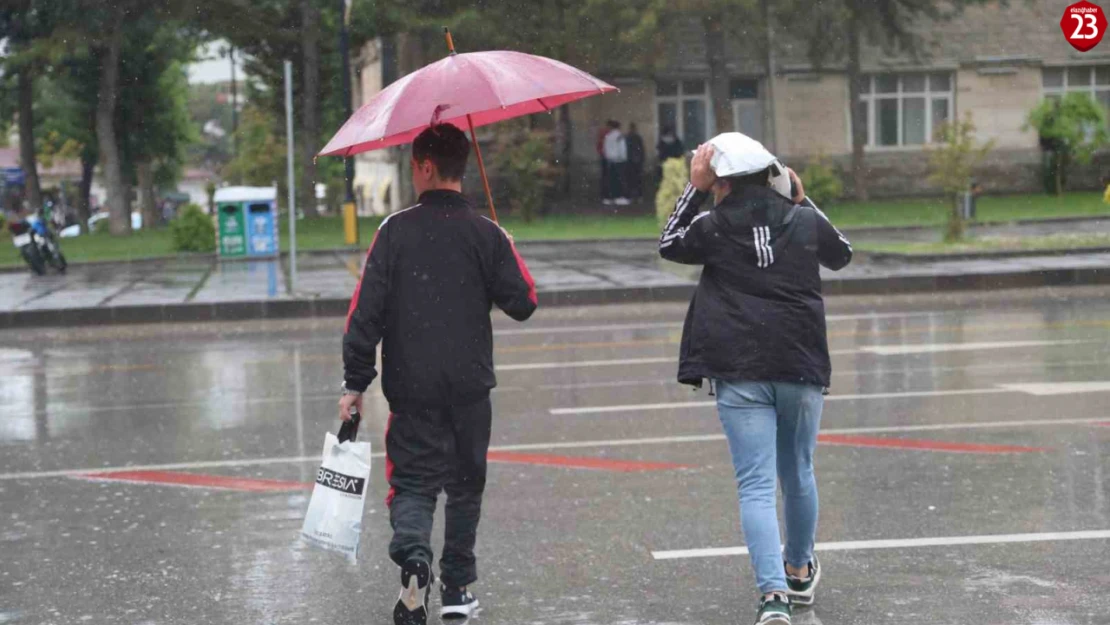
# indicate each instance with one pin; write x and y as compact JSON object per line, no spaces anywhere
{"x":756,"y":330}
{"x":669,"y":146}
{"x":430,"y":278}
{"x":616,"y":157}
{"x":603,"y":181}
{"x":635,"y":171}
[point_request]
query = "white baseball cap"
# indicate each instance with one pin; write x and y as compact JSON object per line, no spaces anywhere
{"x":737,"y":154}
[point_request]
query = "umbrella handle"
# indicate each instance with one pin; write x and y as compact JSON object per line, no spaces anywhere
{"x":482,"y":168}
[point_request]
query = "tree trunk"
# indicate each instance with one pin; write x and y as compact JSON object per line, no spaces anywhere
{"x":147,"y":204}
{"x":859,"y":129}
{"x":310,"y":103}
{"x":1061,"y":161}
{"x":27,"y":159}
{"x":84,"y":189}
{"x":718,"y":72}
{"x":119,"y":212}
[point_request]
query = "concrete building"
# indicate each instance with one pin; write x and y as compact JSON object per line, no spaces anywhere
{"x":994,"y":62}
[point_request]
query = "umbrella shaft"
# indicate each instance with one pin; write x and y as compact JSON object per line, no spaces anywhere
{"x":481,"y":167}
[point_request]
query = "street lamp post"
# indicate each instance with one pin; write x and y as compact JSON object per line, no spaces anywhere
{"x":350,"y":214}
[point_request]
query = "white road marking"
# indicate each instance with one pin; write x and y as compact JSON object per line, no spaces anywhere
{"x":899,"y":543}
{"x":712,"y":404}
{"x":933,"y":348}
{"x":678,"y":324}
{"x":532,"y":366}
{"x":619,"y":442}
{"x":1059,"y":388}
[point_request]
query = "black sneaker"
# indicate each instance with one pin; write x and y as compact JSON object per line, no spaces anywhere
{"x":457,"y":602}
{"x":801,"y":590}
{"x":774,"y":610}
{"x":412,"y":605}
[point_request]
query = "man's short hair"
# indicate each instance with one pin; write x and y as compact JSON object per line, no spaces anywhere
{"x":446,"y":146}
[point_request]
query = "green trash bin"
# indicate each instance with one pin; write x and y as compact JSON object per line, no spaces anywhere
{"x":231,"y":230}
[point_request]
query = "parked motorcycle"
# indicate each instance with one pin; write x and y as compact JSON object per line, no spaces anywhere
{"x":37,"y":244}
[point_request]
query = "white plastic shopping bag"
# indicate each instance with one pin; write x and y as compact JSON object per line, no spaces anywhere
{"x":334,"y":517}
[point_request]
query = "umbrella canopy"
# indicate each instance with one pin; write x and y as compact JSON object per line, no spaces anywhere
{"x":486,"y":87}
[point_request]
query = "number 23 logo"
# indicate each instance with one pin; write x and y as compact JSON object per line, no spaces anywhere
{"x":1091,"y":22}
{"x":1083,"y":25}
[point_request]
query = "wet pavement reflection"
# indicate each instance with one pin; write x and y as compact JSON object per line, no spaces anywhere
{"x":963,"y":471}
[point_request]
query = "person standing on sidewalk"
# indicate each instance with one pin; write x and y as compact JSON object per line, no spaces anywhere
{"x":616,"y":158}
{"x":431,"y":277}
{"x":636,"y":156}
{"x":756,"y":330}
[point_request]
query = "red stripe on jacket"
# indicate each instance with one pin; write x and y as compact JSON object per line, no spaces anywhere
{"x":358,"y":287}
{"x":524,"y":272}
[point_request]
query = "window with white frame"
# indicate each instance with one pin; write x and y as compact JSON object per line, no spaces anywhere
{"x":905,"y":109}
{"x":684,"y":106}
{"x":1090,"y":79}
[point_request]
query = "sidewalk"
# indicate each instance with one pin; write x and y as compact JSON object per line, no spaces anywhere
{"x":578,"y":273}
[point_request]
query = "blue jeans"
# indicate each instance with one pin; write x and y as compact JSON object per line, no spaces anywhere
{"x":772,"y":428}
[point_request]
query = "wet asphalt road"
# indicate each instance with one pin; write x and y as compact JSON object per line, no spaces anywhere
{"x":606,"y":472}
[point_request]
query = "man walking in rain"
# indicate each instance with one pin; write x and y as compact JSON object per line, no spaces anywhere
{"x":756,"y":330}
{"x":430,"y":280}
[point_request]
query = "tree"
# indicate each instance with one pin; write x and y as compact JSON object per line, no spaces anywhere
{"x":951,"y":166}
{"x":279,"y":32}
{"x":25,"y":23}
{"x":1070,"y":128}
{"x":839,"y":30}
{"x":153,"y":109}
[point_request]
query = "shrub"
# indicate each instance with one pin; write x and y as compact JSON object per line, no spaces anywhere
{"x":103,"y":226}
{"x":193,"y":231}
{"x":673,"y":183}
{"x":951,"y":164}
{"x":525,"y":163}
{"x":822,"y":182}
{"x":1071,"y":128}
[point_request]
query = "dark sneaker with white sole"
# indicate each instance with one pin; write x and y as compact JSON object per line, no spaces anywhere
{"x":802,"y":590}
{"x":774,"y":610}
{"x":457,"y":602}
{"x":412,"y":605}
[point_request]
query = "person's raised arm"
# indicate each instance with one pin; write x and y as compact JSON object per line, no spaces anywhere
{"x":687,"y":235}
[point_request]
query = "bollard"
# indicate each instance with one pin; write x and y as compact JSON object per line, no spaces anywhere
{"x":350,"y":223}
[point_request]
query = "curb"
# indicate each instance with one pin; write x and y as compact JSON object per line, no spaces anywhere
{"x":1002,"y":254}
{"x":308,"y":308}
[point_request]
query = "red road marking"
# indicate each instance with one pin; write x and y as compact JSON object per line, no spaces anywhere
{"x":601,"y":464}
{"x":924,"y":445}
{"x":1105,"y":424}
{"x":195,"y":480}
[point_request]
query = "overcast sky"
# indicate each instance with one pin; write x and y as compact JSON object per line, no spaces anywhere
{"x":213,"y":68}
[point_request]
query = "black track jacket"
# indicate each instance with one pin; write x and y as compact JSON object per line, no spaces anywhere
{"x":430,"y":279}
{"x":757,"y":314}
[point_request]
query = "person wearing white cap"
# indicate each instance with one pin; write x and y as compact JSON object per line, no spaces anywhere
{"x":755,"y":329}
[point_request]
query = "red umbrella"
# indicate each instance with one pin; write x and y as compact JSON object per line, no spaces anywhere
{"x":467,"y":90}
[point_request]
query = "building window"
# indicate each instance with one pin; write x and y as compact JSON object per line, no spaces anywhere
{"x":747,"y":108}
{"x":905,"y":109}
{"x":684,"y":106}
{"x":1091,"y":79}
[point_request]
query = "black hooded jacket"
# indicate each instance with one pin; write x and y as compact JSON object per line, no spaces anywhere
{"x":432,"y":275}
{"x":757,"y":314}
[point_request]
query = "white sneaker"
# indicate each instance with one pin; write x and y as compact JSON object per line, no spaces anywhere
{"x":623,"y":201}
{"x":607,"y":202}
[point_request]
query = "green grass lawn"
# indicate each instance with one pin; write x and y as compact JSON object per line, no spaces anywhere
{"x":994,"y":244}
{"x":327,"y":232}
